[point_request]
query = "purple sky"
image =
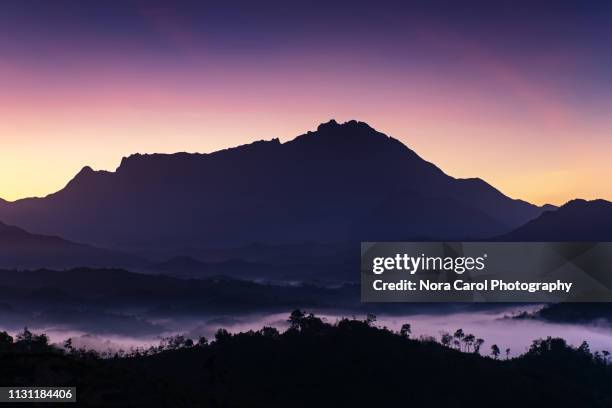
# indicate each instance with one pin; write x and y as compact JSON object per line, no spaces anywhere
{"x":515,"y":92}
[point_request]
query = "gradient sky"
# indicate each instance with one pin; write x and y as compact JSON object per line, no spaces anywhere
{"x":518,"y":93}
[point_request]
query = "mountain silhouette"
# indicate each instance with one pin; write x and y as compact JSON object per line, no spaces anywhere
{"x":20,"y":249}
{"x":577,"y":220}
{"x":341,"y":183}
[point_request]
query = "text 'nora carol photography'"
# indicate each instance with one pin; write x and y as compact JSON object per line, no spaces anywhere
{"x":485,"y":272}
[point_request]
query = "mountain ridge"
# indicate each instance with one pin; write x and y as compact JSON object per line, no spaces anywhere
{"x":320,"y":186}
{"x":20,"y":249}
{"x":576,"y":220}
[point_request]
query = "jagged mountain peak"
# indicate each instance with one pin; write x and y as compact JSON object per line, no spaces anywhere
{"x":351,"y":130}
{"x":353,"y":125}
{"x":349,"y":140}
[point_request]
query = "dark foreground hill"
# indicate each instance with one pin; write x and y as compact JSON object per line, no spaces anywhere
{"x":577,"y":220}
{"x":349,"y":364}
{"x":22,"y":250}
{"x":343,"y":182}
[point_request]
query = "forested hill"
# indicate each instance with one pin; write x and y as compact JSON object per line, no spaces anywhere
{"x":349,"y":364}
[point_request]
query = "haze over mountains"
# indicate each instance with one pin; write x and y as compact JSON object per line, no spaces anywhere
{"x":342,"y":183}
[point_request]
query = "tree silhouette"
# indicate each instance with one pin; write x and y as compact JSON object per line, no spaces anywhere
{"x":222,"y":335}
{"x":479,"y":342}
{"x":405,"y":331}
{"x":295,"y":319}
{"x":597,"y":357}
{"x":495,"y":351}
{"x":584,"y":348}
{"x":25,"y":336}
{"x":548,"y":345}
{"x":176,"y":342}
{"x":459,"y":335}
{"x":68,"y":345}
{"x":469,"y":340}
{"x":269,"y":332}
{"x":299,"y":321}
{"x":507,"y":353}
{"x":6,"y":341}
{"x":445,"y":339}
{"x":29,"y":342}
{"x":605,"y":353}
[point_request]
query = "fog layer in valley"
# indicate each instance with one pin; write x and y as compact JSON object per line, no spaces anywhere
{"x":494,"y":327}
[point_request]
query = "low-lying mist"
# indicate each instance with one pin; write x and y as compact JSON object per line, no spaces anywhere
{"x":495,"y":327}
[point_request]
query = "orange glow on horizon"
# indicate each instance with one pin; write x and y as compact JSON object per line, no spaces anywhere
{"x":531,"y":143}
{"x":39,"y":165}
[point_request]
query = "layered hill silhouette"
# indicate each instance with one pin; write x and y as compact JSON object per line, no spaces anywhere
{"x":577,"y":220}
{"x":116,"y":301}
{"x":343,"y":182}
{"x":20,"y":249}
{"x":187,"y":267}
{"x":325,"y":272}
